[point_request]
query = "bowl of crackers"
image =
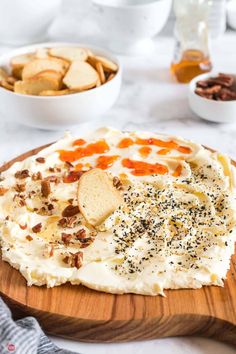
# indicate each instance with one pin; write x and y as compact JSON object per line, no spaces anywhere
{"x":56,"y":85}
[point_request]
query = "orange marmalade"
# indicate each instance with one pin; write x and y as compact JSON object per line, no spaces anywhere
{"x":131,"y":153}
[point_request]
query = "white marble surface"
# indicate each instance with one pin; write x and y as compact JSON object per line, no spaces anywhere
{"x":149,"y":100}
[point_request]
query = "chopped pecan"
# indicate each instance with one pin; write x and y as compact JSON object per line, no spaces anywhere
{"x":53,"y":179}
{"x":42,"y":211}
{"x":45,"y":188}
{"x":66,"y":238}
{"x":62,"y":222}
{"x":68,"y":165}
{"x":117,"y":183}
{"x":19,"y":199}
{"x":67,"y":222}
{"x":20,"y":188}
{"x":48,"y":251}
{"x":29,"y":238}
{"x":70,"y":210}
{"x":23,"y":227}
{"x":50,"y":206}
{"x":81,"y":234}
{"x":22,"y":174}
{"x":37,"y":228}
{"x":72,"y":176}
{"x":36,"y":176}
{"x":85,"y":242}
{"x":40,"y":159}
{"x":2,"y":191}
{"x":74,"y":259}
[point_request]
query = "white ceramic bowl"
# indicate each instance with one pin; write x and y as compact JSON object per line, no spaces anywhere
{"x":128,"y":25}
{"x":215,"y":111}
{"x":58,"y":112}
{"x":26,"y":21}
{"x":231,"y":14}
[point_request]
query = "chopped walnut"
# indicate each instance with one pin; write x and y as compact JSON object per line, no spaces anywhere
{"x":40,"y":159}
{"x":3,"y":191}
{"x":37,"y":228}
{"x":20,"y":188}
{"x":74,"y":259}
{"x":45,"y":188}
{"x":70,"y":210}
{"x":36,"y":176}
{"x":22,"y":174}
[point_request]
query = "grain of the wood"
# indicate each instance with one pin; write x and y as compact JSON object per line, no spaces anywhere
{"x":79,"y":313}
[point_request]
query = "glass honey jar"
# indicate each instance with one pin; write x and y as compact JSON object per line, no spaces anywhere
{"x":191,"y":55}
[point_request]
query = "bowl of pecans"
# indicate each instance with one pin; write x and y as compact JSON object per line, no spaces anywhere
{"x":56,"y":85}
{"x":212,"y":96}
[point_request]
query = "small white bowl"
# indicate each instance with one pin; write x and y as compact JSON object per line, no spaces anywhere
{"x":59,"y":112}
{"x":214,"y":111}
{"x":231,"y":14}
{"x":129,"y":25}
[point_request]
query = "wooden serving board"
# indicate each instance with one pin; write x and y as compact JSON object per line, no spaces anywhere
{"x":79,"y":313}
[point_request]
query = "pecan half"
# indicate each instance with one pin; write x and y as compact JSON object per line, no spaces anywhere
{"x":74,"y":259}
{"x":70,"y":210}
{"x":37,"y":228}
{"x":22,"y":174}
{"x":45,"y":188}
{"x":40,"y":159}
